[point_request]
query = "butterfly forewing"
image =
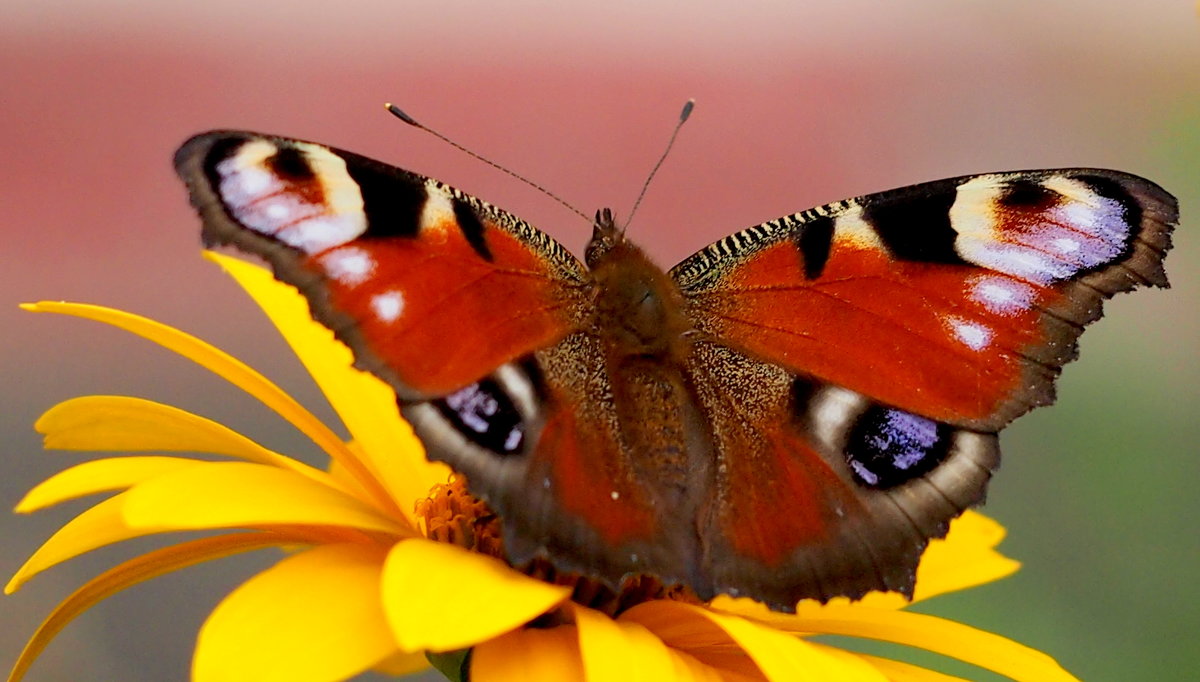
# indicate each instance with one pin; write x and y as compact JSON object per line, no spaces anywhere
{"x":431,"y":288}
{"x":958,"y":300}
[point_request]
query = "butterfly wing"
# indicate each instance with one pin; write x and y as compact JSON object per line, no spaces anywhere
{"x":431,"y":288}
{"x":583,"y":489}
{"x":858,"y":358}
{"x":474,"y":318}
{"x":959,"y":300}
{"x":819,"y":491}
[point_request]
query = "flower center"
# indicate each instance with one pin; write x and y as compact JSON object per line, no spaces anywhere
{"x":452,"y":514}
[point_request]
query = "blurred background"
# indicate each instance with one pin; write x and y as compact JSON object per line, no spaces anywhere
{"x":798,"y":104}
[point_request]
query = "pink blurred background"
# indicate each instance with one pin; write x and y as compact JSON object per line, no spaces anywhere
{"x":797,"y":104}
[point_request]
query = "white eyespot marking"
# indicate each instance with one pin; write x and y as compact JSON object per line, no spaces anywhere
{"x":864,"y":473}
{"x":973,"y":214}
{"x":615,"y":495}
{"x":350,"y":266}
{"x":473,"y":407}
{"x":438,"y":212}
{"x":851,"y":228}
{"x":1066,"y":245}
{"x":1001,"y":295}
{"x":512,"y":440}
{"x":830,"y":410}
{"x":972,"y":334}
{"x":278,"y":211}
{"x":388,"y":306}
{"x":244,"y":179}
{"x":517,"y":386}
{"x":1081,"y":230}
{"x":313,"y":211}
{"x":1074,"y":191}
{"x":252,"y":181}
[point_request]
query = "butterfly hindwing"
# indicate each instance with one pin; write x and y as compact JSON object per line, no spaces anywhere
{"x":578,"y":489}
{"x":820,"y":491}
{"x":430,"y":287}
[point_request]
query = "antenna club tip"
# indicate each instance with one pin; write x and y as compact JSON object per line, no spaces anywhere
{"x":687,"y":110}
{"x":399,"y":113}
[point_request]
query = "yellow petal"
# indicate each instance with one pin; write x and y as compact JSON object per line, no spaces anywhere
{"x":531,"y":654}
{"x":130,"y":573}
{"x":965,"y":558}
{"x":623,"y":652}
{"x":939,"y":635}
{"x":366,"y":405}
{"x":314,"y":616}
{"x":441,"y":597}
{"x":98,"y":476}
{"x":898,"y":671}
{"x":223,"y":365}
{"x":689,"y":668}
{"x":695,"y":636}
{"x":701,"y":649}
{"x":780,"y":656}
{"x":241,"y":495}
{"x":99,"y":526}
{"x":974,"y":528}
{"x":104,"y":422}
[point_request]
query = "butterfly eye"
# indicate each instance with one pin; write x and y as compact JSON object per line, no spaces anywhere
{"x":887,"y":447}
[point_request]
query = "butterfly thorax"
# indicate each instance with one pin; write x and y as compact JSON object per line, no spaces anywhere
{"x":638,"y":308}
{"x":639,"y":320}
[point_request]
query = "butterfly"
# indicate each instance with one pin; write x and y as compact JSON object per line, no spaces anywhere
{"x":792,"y":412}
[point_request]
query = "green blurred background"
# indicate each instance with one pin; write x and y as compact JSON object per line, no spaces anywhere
{"x":798,"y":104}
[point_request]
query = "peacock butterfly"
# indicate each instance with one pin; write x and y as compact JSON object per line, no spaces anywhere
{"x":792,"y":412}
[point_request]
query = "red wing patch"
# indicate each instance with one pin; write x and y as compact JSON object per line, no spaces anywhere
{"x":583,"y":463}
{"x":888,"y":329}
{"x":437,"y":314}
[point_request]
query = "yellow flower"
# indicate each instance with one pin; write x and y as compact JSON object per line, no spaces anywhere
{"x":371,"y":582}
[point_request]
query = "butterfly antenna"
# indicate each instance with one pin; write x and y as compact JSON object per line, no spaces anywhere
{"x":399,"y":113}
{"x":683,"y":116}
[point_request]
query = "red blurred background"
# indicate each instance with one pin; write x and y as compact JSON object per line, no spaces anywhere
{"x":797,"y":104}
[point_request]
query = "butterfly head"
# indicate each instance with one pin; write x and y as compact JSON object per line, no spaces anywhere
{"x":605,"y":235}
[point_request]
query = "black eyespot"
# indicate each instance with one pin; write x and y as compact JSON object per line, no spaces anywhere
{"x":1027,"y":194}
{"x":485,"y":415}
{"x":290,"y":164}
{"x":888,"y":447}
